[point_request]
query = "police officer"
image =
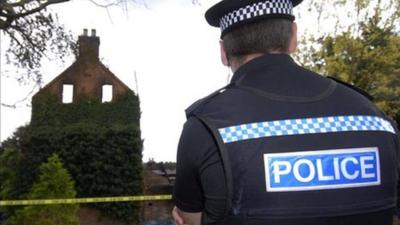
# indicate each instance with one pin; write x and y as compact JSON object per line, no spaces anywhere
{"x":281,"y":145}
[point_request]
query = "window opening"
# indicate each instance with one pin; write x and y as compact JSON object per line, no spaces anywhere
{"x":68,"y":93}
{"x":107,"y":93}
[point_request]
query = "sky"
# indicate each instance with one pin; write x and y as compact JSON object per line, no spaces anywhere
{"x":167,"y":43}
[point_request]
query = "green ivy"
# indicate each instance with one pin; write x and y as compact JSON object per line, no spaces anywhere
{"x":48,"y":110}
{"x":99,"y":143}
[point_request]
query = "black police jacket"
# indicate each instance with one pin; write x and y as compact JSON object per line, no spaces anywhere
{"x":296,"y":144}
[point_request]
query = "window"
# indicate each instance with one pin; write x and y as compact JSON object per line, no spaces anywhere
{"x":107,"y":93}
{"x":67,"y":93}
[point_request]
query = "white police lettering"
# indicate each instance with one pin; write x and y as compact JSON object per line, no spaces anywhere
{"x":326,"y":169}
{"x":343,"y":167}
{"x":336,"y":168}
{"x":365,"y":166}
{"x":296,"y":170}
{"x":320,"y":171}
{"x":279,"y":172}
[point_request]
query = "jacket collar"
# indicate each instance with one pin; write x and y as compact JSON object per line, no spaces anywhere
{"x":261,"y":62}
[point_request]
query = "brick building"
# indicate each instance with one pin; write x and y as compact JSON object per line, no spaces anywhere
{"x":87,"y":76}
{"x":91,"y":119}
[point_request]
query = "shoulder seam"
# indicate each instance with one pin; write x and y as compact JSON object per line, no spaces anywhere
{"x":199,"y":103}
{"x":353,"y":87}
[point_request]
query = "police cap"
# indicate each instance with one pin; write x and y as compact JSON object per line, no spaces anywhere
{"x":229,"y":14}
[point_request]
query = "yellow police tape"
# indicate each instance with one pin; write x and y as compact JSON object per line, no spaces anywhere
{"x":85,"y":200}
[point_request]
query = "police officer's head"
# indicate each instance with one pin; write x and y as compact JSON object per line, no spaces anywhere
{"x":254,"y":27}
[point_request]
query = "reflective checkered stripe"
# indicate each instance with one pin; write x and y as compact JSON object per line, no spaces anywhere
{"x":304,"y":126}
{"x":256,"y":9}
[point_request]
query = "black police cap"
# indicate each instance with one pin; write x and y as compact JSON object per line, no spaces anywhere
{"x":229,"y":14}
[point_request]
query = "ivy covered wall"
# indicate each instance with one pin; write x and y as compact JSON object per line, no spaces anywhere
{"x":99,"y":143}
{"x":48,"y":110}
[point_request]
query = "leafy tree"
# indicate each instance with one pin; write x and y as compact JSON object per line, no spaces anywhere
{"x":9,"y":161}
{"x":152,"y":165}
{"x":365,"y":53}
{"x":54,"y":182}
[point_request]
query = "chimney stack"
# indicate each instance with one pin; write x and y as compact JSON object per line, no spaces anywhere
{"x":89,"y":46}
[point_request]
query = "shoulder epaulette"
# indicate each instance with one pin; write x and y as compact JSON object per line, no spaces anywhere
{"x":355,"y":88}
{"x":189,"y":111}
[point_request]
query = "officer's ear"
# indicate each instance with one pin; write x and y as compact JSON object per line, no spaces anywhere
{"x":293,"y":39}
{"x":224,"y":57}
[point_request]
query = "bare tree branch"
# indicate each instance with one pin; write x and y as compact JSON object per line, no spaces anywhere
{"x":27,"y":97}
{"x":9,"y":9}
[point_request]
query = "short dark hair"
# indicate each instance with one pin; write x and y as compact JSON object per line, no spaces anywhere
{"x":263,"y":36}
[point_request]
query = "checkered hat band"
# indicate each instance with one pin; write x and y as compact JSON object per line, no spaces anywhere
{"x":318,"y":125}
{"x":284,"y":7}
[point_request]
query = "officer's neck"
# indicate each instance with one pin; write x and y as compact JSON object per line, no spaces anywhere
{"x":236,"y":63}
